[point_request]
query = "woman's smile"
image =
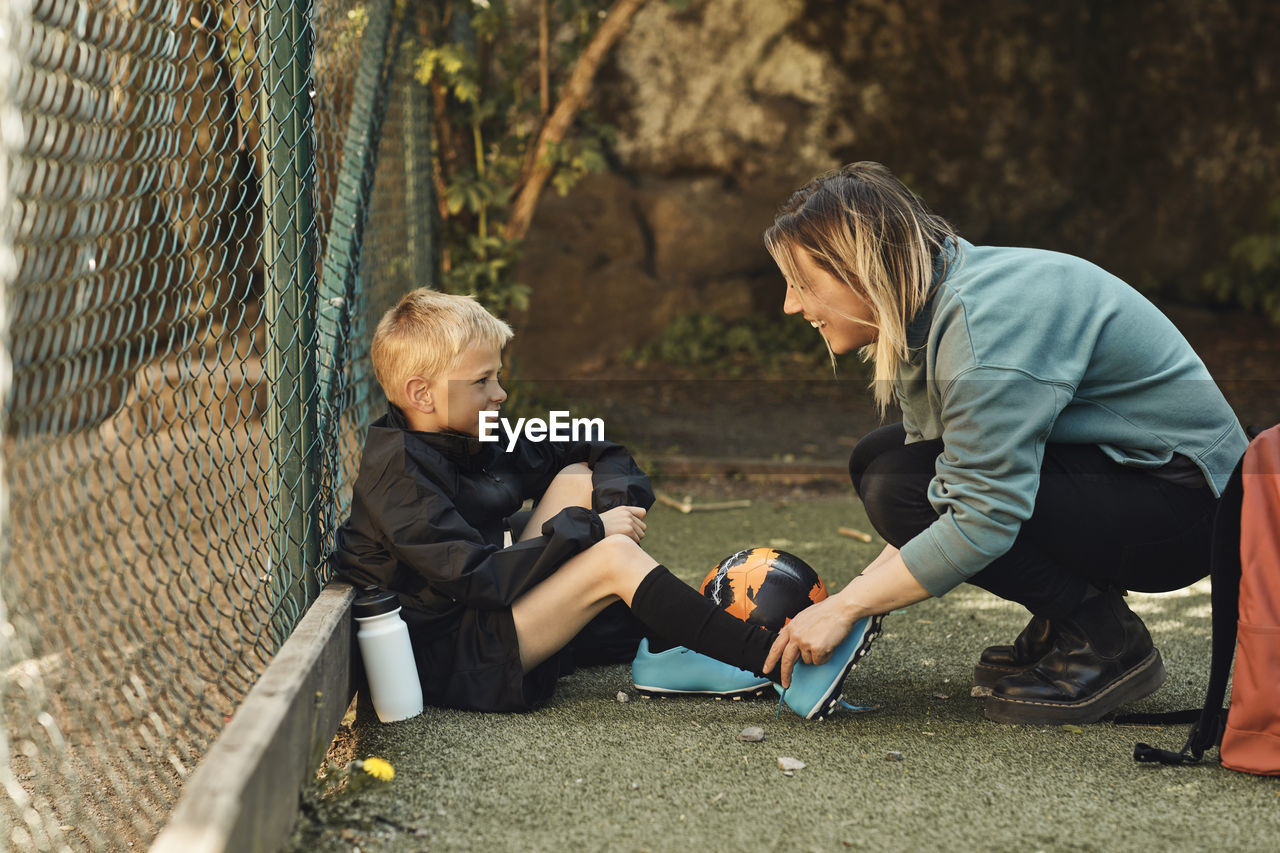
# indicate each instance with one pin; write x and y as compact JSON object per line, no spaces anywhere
{"x":832,"y":307}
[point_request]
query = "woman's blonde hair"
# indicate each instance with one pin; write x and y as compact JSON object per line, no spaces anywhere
{"x":426,"y":334}
{"x":863,"y":226}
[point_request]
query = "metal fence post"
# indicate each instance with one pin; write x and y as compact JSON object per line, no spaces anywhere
{"x":351,"y":206}
{"x":289,"y":251}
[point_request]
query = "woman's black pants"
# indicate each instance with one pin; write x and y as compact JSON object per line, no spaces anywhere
{"x":1094,"y":523}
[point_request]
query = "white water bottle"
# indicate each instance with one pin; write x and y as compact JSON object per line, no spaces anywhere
{"x":388,"y":656}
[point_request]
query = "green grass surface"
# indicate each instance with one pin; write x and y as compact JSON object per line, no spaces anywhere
{"x":588,"y":772}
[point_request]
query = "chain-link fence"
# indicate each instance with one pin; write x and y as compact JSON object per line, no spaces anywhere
{"x":189,"y":219}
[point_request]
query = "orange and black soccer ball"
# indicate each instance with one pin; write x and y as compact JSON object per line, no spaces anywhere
{"x":763,"y":586}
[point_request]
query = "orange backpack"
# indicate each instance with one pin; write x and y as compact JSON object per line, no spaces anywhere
{"x":1246,"y":620}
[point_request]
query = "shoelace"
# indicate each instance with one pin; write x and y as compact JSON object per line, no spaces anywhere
{"x":848,"y":707}
{"x":843,"y":704}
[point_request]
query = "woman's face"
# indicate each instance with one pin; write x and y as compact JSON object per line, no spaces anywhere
{"x":839,"y":314}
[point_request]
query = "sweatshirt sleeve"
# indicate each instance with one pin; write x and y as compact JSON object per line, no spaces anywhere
{"x":615,"y":477}
{"x":996,"y":422}
{"x":429,"y":538}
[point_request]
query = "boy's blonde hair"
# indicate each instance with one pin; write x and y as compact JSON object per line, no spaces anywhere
{"x":426,"y":334}
{"x":863,"y":226}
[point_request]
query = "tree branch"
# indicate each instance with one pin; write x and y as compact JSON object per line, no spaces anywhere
{"x":544,"y":57}
{"x":573,"y":97}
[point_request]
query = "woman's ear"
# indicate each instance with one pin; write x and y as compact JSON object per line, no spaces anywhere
{"x":421,"y":395}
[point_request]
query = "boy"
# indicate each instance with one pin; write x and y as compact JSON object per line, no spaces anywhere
{"x":488,"y":623}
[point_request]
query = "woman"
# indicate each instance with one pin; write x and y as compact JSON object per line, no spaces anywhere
{"x":1060,"y":441}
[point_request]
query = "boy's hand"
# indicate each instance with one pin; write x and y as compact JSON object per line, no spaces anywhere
{"x":626,"y":520}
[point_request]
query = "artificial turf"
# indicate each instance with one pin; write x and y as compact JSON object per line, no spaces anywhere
{"x":590,"y":772}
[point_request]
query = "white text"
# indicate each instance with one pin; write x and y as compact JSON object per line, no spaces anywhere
{"x":558,"y":427}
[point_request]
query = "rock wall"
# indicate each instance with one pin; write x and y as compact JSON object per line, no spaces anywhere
{"x":1142,"y":136}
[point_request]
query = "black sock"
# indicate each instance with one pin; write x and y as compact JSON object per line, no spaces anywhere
{"x":658,"y":643}
{"x":681,"y":616}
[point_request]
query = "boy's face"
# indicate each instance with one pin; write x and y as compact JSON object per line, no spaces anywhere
{"x":470,"y":388}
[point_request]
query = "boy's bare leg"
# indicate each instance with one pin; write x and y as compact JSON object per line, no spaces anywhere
{"x":571,"y":487}
{"x":551,"y":614}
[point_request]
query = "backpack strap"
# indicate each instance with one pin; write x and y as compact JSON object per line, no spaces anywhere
{"x":1224,"y":568}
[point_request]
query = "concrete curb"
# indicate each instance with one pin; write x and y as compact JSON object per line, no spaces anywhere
{"x":244,"y":794}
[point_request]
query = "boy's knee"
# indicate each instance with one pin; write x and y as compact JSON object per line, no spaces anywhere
{"x":618,"y":562}
{"x":576,"y":479}
{"x":622,"y":553}
{"x":617,"y":546}
{"x":575,"y":469}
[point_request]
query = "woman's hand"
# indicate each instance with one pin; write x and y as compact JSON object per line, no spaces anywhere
{"x":810,"y":637}
{"x":627,"y":520}
{"x":815,"y":632}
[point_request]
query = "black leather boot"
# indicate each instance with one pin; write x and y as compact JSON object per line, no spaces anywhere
{"x":1035,"y":641}
{"x":1102,"y":657}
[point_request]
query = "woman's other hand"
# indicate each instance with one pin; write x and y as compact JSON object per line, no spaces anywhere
{"x":814,"y":633}
{"x":810,"y":637}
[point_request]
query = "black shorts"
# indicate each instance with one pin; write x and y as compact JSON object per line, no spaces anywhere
{"x":476,"y":667}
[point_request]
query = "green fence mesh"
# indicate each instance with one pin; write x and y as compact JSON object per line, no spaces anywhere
{"x":190,"y":219}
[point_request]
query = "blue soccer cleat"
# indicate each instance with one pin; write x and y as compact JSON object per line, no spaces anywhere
{"x":683,"y":671}
{"x":815,"y":689}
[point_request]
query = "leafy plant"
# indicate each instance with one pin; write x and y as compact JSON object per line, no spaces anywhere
{"x":759,"y":344}
{"x":1251,"y":275}
{"x":509,"y":118}
{"x":485,"y":269}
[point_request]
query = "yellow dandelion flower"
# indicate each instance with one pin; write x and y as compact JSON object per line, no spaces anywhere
{"x":378,"y":768}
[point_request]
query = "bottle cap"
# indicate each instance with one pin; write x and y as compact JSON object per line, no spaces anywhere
{"x":374,"y":602}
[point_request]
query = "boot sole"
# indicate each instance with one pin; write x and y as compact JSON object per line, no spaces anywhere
{"x":1143,"y":680}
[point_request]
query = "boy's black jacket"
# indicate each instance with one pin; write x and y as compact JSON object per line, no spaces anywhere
{"x":428,"y":511}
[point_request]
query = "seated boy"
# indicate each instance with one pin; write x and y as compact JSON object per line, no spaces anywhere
{"x":487,"y":623}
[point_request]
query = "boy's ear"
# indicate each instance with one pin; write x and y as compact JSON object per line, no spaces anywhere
{"x":421,"y":395}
